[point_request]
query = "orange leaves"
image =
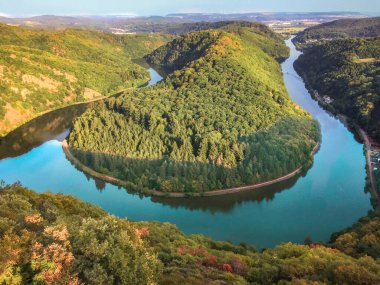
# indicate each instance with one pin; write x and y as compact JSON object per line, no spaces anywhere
{"x":196,"y":251}
{"x":224,"y":44}
{"x":227,"y":267}
{"x":33,"y":219}
{"x":209,"y":260}
{"x":54,"y":259}
{"x":57,"y":233}
{"x":143,"y":232}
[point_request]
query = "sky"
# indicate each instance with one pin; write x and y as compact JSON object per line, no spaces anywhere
{"x":163,"y":7}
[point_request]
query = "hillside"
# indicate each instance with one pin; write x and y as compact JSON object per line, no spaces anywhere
{"x":340,"y":29}
{"x":348,"y":71}
{"x":220,"y":118}
{"x":41,"y":70}
{"x":57,"y":239}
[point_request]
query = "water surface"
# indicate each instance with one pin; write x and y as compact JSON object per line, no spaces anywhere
{"x":328,"y":198}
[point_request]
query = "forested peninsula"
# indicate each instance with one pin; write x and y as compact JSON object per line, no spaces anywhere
{"x":220,"y":118}
{"x":45,"y":70}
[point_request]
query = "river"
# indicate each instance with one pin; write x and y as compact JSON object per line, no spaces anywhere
{"x":328,"y":198}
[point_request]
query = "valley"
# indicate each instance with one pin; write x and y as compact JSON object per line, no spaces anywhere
{"x":211,"y":152}
{"x":293,"y":209}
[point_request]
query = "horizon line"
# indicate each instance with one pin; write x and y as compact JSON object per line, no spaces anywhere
{"x":135,"y":15}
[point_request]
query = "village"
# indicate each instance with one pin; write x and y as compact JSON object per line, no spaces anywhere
{"x":375,"y":159}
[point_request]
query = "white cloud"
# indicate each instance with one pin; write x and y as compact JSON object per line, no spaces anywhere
{"x":5,"y":15}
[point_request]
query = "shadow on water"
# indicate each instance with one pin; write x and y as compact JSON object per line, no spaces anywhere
{"x":143,"y":173}
{"x":213,"y":204}
{"x":226,"y":203}
{"x":54,"y":125}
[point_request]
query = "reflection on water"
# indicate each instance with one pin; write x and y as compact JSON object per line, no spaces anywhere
{"x":52,"y":126}
{"x":226,"y":203}
{"x":137,"y":173}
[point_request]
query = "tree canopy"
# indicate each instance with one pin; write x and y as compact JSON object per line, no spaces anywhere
{"x":57,"y":239}
{"x":348,"y":71}
{"x":222,"y":110}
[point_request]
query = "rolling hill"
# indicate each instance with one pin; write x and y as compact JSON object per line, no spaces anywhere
{"x":340,"y":29}
{"x":44,"y":70}
{"x":220,"y":118}
{"x":348,"y":72}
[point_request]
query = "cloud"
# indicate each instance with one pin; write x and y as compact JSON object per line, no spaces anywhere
{"x":5,"y":15}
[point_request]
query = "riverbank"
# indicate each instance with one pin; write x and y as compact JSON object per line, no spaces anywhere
{"x":218,"y":192}
{"x":352,"y":126}
{"x":35,"y":116}
{"x":368,"y":150}
{"x":20,"y":124}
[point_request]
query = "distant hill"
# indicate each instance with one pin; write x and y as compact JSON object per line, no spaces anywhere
{"x":161,"y":24}
{"x":341,"y":29}
{"x":44,"y":70}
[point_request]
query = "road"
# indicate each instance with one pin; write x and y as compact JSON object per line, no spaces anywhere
{"x":367,"y":144}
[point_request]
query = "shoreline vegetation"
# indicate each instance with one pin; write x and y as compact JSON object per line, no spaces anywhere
{"x":57,"y":239}
{"x":54,"y":238}
{"x":63,"y":107}
{"x":352,"y":126}
{"x":218,"y":192}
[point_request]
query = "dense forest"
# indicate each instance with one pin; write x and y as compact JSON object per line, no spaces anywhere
{"x":348,"y":71}
{"x":222,"y":112}
{"x":340,"y":29}
{"x":44,"y":70}
{"x":57,"y":239}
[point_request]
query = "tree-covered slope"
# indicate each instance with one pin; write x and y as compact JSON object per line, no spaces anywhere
{"x":340,"y":29}
{"x":57,"y":239}
{"x":42,"y":70}
{"x":222,"y":111}
{"x":348,"y":71}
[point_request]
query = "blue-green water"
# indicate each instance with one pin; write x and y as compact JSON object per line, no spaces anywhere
{"x":330,"y":197}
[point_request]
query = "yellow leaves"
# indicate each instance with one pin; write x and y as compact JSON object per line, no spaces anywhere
{"x":11,"y":275}
{"x":33,"y":219}
{"x":2,"y":68}
{"x":225,"y":43}
{"x":10,"y":250}
{"x":57,"y":233}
